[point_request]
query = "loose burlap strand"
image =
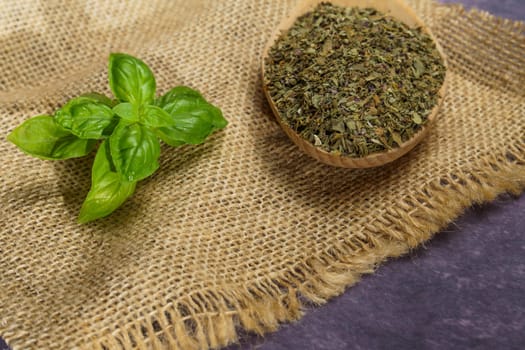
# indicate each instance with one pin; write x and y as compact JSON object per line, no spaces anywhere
{"x":240,"y":231}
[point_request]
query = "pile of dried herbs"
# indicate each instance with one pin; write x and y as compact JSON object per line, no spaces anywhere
{"x":353,"y":81}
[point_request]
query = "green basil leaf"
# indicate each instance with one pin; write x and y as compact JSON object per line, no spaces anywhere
{"x":135,"y":151}
{"x":100,"y":98}
{"x":179,"y":93}
{"x":155,"y":117}
{"x":193,"y":121}
{"x":219,"y":122}
{"x":182,"y":99}
{"x":41,"y":137}
{"x":188,"y":128}
{"x":130,"y":79}
{"x":169,"y":138}
{"x":127,"y":111}
{"x":86,"y":118}
{"x":108,"y":189}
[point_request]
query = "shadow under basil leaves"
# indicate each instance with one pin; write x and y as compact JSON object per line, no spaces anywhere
{"x":121,"y":237}
{"x":21,"y":201}
{"x":75,"y":179}
{"x":183,"y":158}
{"x":74,"y":185}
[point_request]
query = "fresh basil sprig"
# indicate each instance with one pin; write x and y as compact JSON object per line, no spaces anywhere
{"x":130,"y":128}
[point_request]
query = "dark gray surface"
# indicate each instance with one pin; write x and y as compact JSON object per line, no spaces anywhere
{"x":464,"y":290}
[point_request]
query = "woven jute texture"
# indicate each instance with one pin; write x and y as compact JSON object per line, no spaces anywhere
{"x":242,"y":231}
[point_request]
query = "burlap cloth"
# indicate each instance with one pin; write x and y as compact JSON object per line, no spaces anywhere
{"x":243,"y":230}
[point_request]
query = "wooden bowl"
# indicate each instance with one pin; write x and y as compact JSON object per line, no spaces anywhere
{"x":402,"y":12}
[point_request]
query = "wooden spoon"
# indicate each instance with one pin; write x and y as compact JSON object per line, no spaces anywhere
{"x":395,"y":8}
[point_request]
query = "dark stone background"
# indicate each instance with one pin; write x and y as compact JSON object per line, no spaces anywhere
{"x":465,"y":289}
